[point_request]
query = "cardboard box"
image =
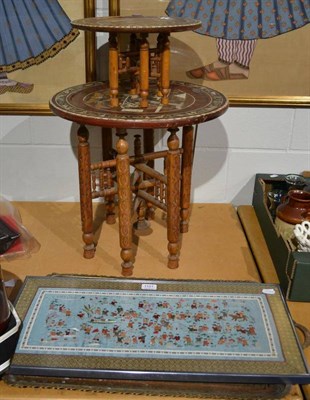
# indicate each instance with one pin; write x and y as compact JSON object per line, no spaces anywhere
{"x":293,"y":267}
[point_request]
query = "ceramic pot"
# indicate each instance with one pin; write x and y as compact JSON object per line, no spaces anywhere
{"x":294,"y":210}
{"x":4,"y":306}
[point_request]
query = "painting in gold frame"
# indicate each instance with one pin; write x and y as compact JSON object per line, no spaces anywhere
{"x":73,"y":64}
{"x":279,"y":70}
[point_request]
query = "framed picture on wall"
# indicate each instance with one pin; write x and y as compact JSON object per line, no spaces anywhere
{"x":40,"y":52}
{"x":263,"y":47}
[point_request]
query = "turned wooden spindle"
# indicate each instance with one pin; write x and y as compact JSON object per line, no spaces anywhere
{"x":173,"y":198}
{"x":160,"y":38}
{"x":165,"y":68}
{"x":141,"y":223}
{"x":148,"y":147}
{"x":144,"y":70}
{"x":134,"y":49}
{"x":186,"y":172}
{"x":85,"y":191}
{"x":110,"y":199}
{"x":124,"y":204}
{"x":113,"y":69}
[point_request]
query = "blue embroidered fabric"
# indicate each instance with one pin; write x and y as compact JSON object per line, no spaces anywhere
{"x":243,"y":20}
{"x":153,"y":324}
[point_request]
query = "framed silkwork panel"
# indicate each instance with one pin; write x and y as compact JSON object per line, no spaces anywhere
{"x":279,"y":66}
{"x":98,"y":331}
{"x":40,"y":53}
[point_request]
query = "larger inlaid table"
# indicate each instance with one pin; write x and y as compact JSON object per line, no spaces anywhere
{"x":139,"y":94}
{"x":89,"y":104}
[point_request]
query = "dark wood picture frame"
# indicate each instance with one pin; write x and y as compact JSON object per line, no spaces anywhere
{"x":173,"y":372}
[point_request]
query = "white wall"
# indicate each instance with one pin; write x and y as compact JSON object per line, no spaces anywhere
{"x":38,"y":154}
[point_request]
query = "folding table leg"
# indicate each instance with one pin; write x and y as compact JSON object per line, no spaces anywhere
{"x":85,"y":191}
{"x":186,"y":173}
{"x":165,"y":69}
{"x":107,"y":148}
{"x":124,"y":202}
{"x":148,"y":145}
{"x":173,"y":198}
{"x":144,"y":71}
{"x":113,"y":69}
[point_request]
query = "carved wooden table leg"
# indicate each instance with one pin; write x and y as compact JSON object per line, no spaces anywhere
{"x":107,"y":148}
{"x":141,"y":223}
{"x":124,"y":202}
{"x":173,"y":198}
{"x":134,"y":48}
{"x":85,"y":192}
{"x":148,"y":147}
{"x":186,"y":173}
{"x":144,"y":70}
{"x":165,"y":68}
{"x":113,"y":69}
{"x":160,"y":38}
{"x":110,"y":200}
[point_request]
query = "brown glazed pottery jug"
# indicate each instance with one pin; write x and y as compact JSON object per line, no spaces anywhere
{"x":4,"y":307}
{"x":294,"y":209}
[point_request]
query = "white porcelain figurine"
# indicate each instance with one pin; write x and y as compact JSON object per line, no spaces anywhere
{"x":302,"y":234}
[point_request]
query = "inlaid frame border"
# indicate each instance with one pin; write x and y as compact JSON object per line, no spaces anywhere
{"x":89,"y":48}
{"x":293,"y":368}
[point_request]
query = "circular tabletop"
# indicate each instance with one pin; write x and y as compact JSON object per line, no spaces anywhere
{"x":136,"y":23}
{"x":89,"y":104}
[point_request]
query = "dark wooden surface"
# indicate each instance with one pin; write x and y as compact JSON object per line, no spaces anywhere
{"x":89,"y":103}
{"x":139,"y":24}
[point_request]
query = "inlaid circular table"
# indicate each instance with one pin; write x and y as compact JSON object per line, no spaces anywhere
{"x":139,"y":61}
{"x":89,"y":104}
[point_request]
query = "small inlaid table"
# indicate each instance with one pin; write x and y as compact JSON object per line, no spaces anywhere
{"x":89,"y":104}
{"x":139,"y":61}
